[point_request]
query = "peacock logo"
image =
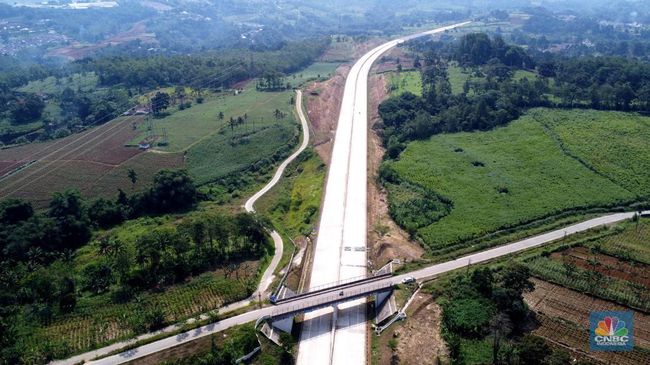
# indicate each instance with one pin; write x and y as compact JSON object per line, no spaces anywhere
{"x":611,"y":331}
{"x":611,"y":326}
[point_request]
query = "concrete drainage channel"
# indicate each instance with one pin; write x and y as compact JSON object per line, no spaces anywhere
{"x":400,"y":315}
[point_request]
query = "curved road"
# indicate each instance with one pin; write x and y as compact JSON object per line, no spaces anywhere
{"x":421,"y":274}
{"x":267,"y":277}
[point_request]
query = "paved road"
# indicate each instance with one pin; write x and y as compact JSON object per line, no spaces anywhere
{"x":267,"y":276}
{"x":422,"y":274}
{"x":339,"y":336}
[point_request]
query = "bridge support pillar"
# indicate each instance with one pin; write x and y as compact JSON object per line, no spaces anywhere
{"x":385,"y":305}
{"x":285,"y":325}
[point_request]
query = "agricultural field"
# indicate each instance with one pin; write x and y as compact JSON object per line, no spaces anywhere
{"x":587,"y":269}
{"x":79,"y":161}
{"x":513,"y":175}
{"x":99,"y":319}
{"x":595,"y":274}
{"x":405,"y":81}
{"x":625,"y":162}
{"x":96,"y":321}
{"x":97,"y":161}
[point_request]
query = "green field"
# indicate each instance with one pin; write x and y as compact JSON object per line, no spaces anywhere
{"x":632,"y":243}
{"x":293,"y":204}
{"x":400,"y":82}
{"x":623,"y":155}
{"x":457,"y":78}
{"x":223,"y":154}
{"x":214,"y":149}
{"x":53,"y":85}
{"x":516,"y":174}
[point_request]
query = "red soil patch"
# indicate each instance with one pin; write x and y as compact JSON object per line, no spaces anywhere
{"x":559,"y":302}
{"x":323,"y":105}
{"x":78,"y":50}
{"x":390,"y":60}
{"x":87,"y":161}
{"x":607,"y":265}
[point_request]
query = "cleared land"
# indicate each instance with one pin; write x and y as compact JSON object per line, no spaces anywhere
{"x":97,"y":161}
{"x":404,"y":81}
{"x":516,"y":174}
{"x":80,"y":161}
{"x":598,"y":273}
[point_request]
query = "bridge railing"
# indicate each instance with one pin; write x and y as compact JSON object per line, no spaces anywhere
{"x":328,"y":299}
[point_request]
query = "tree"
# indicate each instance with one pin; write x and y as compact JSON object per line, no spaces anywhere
{"x":73,"y":226}
{"x":133,"y":176}
{"x":67,"y":295}
{"x":483,"y":280}
{"x":173,"y":190}
{"x":532,"y":350}
{"x":106,"y":213}
{"x":516,"y":277}
{"x":559,"y":357}
{"x":500,"y":326}
{"x":13,"y":211}
{"x":27,"y":109}
{"x":160,"y":102}
{"x":97,"y":277}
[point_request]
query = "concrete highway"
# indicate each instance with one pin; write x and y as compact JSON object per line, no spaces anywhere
{"x":329,"y":296}
{"x":339,"y":336}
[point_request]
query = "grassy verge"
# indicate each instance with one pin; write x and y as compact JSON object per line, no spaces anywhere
{"x":405,"y":81}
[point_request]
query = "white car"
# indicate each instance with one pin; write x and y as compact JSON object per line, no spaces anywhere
{"x":408,"y":280}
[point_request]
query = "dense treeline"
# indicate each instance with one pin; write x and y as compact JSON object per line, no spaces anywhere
{"x":39,"y":281}
{"x":67,"y":224}
{"x":494,"y":98}
{"x":212,"y":70}
{"x":110,"y":84}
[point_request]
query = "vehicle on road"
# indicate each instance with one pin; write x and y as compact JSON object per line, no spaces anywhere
{"x":408,"y":280}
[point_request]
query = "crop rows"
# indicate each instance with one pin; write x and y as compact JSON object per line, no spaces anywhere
{"x":77,"y":333}
{"x":631,"y":244}
{"x":577,"y":339}
{"x":617,"y":290}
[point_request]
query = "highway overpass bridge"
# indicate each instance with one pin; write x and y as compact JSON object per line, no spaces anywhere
{"x":329,"y":296}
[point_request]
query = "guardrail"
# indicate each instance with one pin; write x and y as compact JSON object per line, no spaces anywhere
{"x":334,"y":287}
{"x":323,"y":300}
